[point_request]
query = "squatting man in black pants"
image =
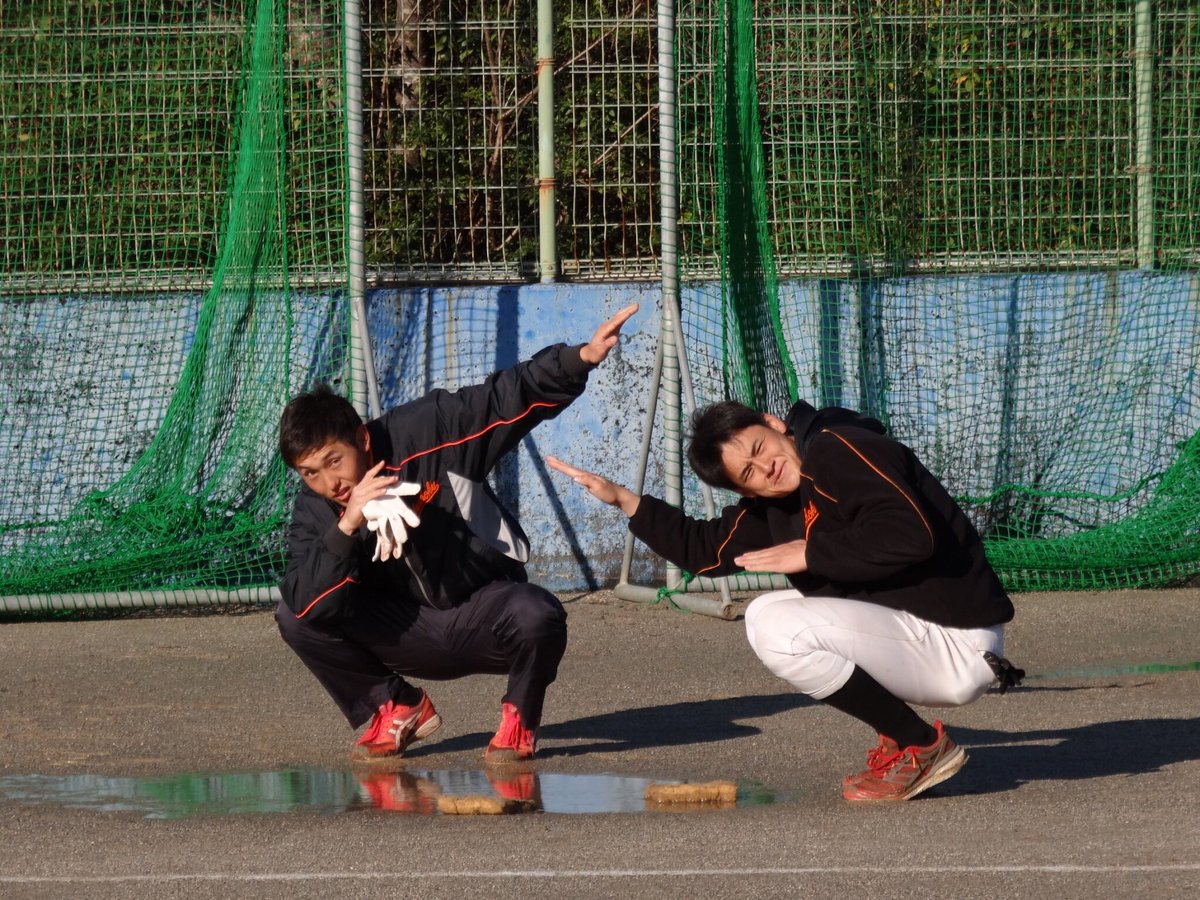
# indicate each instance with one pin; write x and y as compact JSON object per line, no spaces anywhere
{"x":401,"y":561}
{"x":894,"y":601}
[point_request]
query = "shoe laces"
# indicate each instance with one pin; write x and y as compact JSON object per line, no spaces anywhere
{"x":375,"y":729}
{"x":402,"y":719}
{"x":511,"y":732}
{"x":882,"y":759}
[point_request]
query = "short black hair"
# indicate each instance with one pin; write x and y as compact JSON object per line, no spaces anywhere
{"x":313,"y":419}
{"x":713,"y":427}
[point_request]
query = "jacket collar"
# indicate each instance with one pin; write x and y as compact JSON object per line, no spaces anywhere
{"x":804,"y":421}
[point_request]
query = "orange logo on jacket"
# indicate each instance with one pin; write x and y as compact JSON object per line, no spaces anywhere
{"x":810,"y":515}
{"x":427,"y":493}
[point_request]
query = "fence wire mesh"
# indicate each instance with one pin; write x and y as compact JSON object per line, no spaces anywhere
{"x":452,"y":177}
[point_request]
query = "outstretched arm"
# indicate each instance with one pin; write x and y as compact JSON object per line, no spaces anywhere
{"x":598,"y":486}
{"x":469,"y":429}
{"x":704,"y":547}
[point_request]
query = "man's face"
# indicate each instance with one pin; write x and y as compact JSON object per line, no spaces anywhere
{"x":333,"y":469}
{"x":762,"y":461}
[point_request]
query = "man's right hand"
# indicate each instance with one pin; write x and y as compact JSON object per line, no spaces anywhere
{"x":372,"y":487}
{"x":389,"y":517}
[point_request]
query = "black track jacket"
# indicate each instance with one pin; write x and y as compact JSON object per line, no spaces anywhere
{"x":879,"y":527}
{"x":448,"y":442}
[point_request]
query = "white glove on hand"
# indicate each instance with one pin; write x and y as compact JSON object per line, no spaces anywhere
{"x":387,"y":516}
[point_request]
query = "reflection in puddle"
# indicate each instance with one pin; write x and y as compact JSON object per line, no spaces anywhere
{"x":336,"y":791}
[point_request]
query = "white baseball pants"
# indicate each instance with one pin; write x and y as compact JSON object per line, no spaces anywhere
{"x":814,"y":643}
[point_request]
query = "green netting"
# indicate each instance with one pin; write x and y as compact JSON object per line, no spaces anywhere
{"x":978,"y":222}
{"x":144,"y":420}
{"x":974,"y":220}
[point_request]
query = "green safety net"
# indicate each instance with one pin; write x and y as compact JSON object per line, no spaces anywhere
{"x":143,"y":422}
{"x":976,"y":221}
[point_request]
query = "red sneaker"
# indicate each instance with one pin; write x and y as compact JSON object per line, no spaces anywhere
{"x":895,"y":774}
{"x":875,"y":759}
{"x":394,"y":727}
{"x":513,"y":740}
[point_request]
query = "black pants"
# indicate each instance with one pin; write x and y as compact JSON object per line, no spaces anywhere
{"x":505,"y":627}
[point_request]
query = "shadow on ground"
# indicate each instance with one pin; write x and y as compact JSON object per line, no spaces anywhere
{"x":1000,"y":760}
{"x":670,"y":725}
{"x":1005,"y":760}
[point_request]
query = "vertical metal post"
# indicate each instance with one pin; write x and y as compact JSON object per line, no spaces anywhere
{"x":548,"y":256}
{"x":671,"y":360}
{"x":669,"y":198}
{"x":640,"y":485}
{"x":1143,"y":62}
{"x":362,"y":366}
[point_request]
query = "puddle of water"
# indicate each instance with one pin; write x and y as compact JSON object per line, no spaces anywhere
{"x":337,"y":791}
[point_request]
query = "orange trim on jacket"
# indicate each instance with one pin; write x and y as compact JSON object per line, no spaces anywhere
{"x":724,"y":544}
{"x":898,"y":489}
{"x":342,"y":583}
{"x":470,"y":437}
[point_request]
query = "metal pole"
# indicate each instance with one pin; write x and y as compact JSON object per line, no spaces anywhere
{"x":1143,"y":61}
{"x":679,"y":379}
{"x":546,"y":183}
{"x":673,"y":478}
{"x":643,"y":458}
{"x":669,"y":191}
{"x":19,"y":603}
{"x":671,"y":359}
{"x":365,"y":388}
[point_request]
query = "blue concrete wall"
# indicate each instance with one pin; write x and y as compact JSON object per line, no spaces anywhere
{"x":448,"y":337}
{"x":1067,"y":382}
{"x":1073,"y":382}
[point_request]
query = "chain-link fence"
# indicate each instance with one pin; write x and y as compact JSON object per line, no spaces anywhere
{"x":933,"y":135}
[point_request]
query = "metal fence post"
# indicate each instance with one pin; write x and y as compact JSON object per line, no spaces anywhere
{"x":545,"y":88}
{"x":362,"y":366}
{"x":1143,"y":62}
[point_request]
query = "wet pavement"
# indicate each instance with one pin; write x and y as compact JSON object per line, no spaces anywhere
{"x":329,"y":791}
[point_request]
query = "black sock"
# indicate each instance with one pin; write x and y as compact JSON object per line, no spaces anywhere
{"x":407,"y":694}
{"x":868,"y":701}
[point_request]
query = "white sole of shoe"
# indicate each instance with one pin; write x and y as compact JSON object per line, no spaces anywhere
{"x":427,"y":729}
{"x":947,"y":768}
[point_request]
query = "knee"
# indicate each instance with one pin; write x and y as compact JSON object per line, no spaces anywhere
{"x":773,"y":621}
{"x":534,"y":614}
{"x":765,"y":605}
{"x":296,"y":633}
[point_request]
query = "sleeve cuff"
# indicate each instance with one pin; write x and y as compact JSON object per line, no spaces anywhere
{"x":572,"y":363}
{"x":642,"y":520}
{"x":340,"y":543}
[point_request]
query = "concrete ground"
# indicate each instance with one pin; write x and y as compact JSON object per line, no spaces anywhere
{"x":1083,"y":783}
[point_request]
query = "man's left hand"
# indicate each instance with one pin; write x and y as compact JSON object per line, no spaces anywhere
{"x":596,"y":350}
{"x":786,"y":559}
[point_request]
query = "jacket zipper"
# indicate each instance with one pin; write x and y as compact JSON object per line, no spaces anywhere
{"x":417,"y":579}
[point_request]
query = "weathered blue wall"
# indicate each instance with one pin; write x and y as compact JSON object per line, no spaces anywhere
{"x":448,"y":337}
{"x":1073,"y":383}
{"x":1078,"y":383}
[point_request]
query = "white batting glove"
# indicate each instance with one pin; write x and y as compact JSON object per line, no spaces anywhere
{"x":387,"y":517}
